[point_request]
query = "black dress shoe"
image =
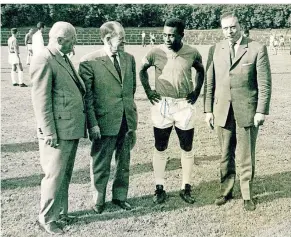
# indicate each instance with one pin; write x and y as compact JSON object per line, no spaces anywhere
{"x":249,"y":205}
{"x":160,"y":194}
{"x":185,"y":194}
{"x":98,"y":208}
{"x":221,"y":200}
{"x":23,"y":85}
{"x":51,"y":228}
{"x":66,"y":219}
{"x":15,"y":84}
{"x":123,"y":204}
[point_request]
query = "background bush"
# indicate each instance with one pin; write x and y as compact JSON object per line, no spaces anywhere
{"x":145,"y":15}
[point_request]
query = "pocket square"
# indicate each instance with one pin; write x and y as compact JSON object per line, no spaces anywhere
{"x":246,"y":64}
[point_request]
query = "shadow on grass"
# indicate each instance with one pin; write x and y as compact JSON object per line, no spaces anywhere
{"x":20,"y":147}
{"x":82,"y":176}
{"x":266,"y":189}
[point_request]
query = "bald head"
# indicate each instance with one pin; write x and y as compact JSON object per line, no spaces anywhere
{"x":62,"y":36}
{"x":61,"y":29}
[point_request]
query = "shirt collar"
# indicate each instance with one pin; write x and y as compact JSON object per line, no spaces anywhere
{"x":108,"y":52}
{"x":61,"y":53}
{"x":237,"y":42}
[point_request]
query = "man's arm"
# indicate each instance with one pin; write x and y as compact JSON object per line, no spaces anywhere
{"x":86,"y":73}
{"x":264,"y":86}
{"x":134,"y":75}
{"x":209,"y":89}
{"x":152,"y":95}
{"x":42,"y":81}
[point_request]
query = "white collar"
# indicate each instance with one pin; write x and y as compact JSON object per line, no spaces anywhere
{"x":61,"y":53}
{"x":237,"y":43}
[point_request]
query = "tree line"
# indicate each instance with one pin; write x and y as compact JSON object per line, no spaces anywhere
{"x":196,"y":16}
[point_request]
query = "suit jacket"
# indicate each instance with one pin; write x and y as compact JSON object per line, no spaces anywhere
{"x":108,"y":97}
{"x":245,"y":84}
{"x":56,"y":98}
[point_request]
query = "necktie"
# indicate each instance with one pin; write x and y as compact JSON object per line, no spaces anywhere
{"x":78,"y":84}
{"x":116,"y":65}
{"x":232,"y":52}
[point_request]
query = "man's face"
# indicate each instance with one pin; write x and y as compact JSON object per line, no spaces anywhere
{"x":172,"y":39}
{"x":67,"y":44}
{"x":231,"y":29}
{"x":116,"y":42}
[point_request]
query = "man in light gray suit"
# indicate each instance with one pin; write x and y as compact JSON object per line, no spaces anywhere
{"x":237,"y":98}
{"x":57,"y":97}
{"x":110,"y":78}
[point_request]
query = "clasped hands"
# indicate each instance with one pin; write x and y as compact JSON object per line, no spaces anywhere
{"x":154,"y":96}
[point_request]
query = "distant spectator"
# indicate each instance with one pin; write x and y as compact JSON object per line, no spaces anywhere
{"x":246,"y":33}
{"x":28,"y":43}
{"x":37,"y":39}
{"x":14,"y":59}
{"x":152,"y":39}
{"x":272,"y":44}
{"x":143,"y":35}
{"x":281,"y":42}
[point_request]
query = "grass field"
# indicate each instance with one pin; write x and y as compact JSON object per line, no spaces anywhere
{"x":21,"y":172}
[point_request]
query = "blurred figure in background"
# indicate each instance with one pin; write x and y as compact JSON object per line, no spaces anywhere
{"x":14,"y":59}
{"x":37,"y":39}
{"x":246,"y":33}
{"x":143,"y":35}
{"x":28,"y":44}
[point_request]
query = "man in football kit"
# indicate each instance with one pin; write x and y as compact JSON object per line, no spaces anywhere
{"x":173,"y":102}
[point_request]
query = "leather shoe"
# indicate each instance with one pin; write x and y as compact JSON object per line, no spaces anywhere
{"x":51,"y":228}
{"x":23,"y":85}
{"x":160,"y":194}
{"x":249,"y":205}
{"x":66,"y":219}
{"x":15,"y":84}
{"x":185,"y":194}
{"x":98,"y":208}
{"x":123,"y":204}
{"x":221,"y":200}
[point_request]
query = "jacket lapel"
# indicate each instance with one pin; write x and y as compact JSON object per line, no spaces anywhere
{"x":109,"y":65}
{"x":122,"y":60}
{"x":226,"y":52}
{"x":71,"y":70}
{"x":242,"y":49}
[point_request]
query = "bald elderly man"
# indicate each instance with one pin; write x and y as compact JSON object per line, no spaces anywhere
{"x":110,"y":78}
{"x":57,"y":97}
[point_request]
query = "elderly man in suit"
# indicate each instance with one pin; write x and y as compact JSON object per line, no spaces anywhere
{"x":237,"y":99}
{"x":110,"y":78}
{"x":57,"y":96}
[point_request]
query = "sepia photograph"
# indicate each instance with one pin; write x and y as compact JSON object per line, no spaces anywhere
{"x":129,"y":119}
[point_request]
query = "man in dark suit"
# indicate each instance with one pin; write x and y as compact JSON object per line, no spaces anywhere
{"x":110,"y":78}
{"x":57,"y":97}
{"x":237,"y":98}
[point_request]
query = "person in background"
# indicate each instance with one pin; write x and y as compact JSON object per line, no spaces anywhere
{"x":28,"y":44}
{"x":37,"y":39}
{"x":14,"y":59}
{"x":110,"y":78}
{"x":173,"y":102}
{"x":143,"y":35}
{"x":246,"y":33}
{"x":237,"y":100}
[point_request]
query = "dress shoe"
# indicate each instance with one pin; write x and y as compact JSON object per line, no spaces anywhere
{"x":123,"y":204}
{"x":185,"y":194}
{"x":221,"y":200}
{"x":160,"y":194}
{"x":51,"y":228}
{"x":249,"y":205}
{"x":98,"y":208}
{"x":23,"y":85}
{"x":66,"y":219}
{"x":15,"y":84}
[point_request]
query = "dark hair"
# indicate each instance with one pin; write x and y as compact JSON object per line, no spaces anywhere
{"x":175,"y":22}
{"x":246,"y":31}
{"x":228,"y":15}
{"x":13,"y":31}
{"x":40,"y":25}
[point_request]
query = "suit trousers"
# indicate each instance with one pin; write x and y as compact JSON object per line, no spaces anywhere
{"x":57,"y":164}
{"x":231,"y":137}
{"x":101,"y":155}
